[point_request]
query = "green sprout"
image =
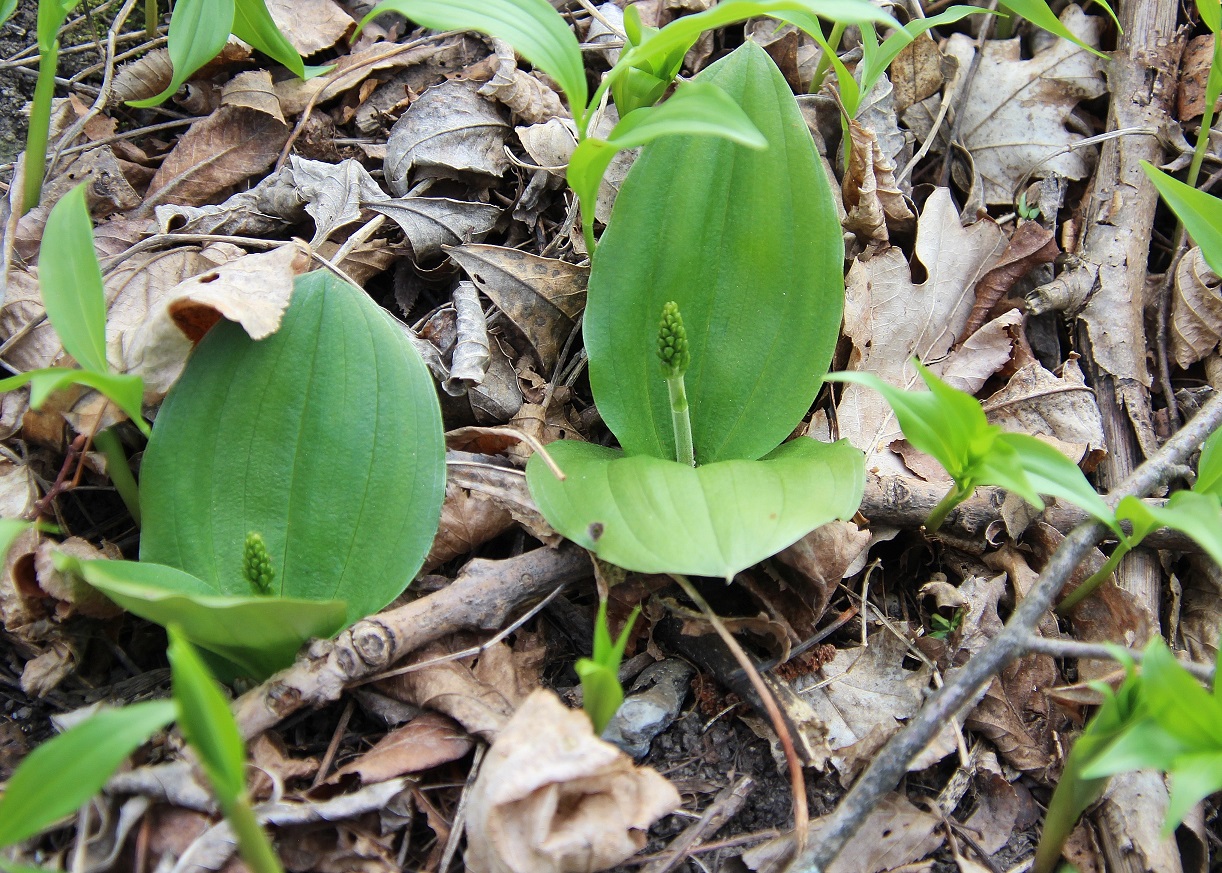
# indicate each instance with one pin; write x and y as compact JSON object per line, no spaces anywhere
{"x":257,"y":564}
{"x":601,"y":690}
{"x":1025,"y":211}
{"x":675,"y":356}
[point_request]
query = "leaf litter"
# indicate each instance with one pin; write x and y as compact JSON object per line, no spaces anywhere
{"x":434,"y":167}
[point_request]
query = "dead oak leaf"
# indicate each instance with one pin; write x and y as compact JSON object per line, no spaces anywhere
{"x":1013,"y":117}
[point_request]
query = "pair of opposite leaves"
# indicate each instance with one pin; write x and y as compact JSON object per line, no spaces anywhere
{"x":748,"y":243}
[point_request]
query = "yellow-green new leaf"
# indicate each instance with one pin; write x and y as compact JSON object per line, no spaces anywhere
{"x":254,"y":24}
{"x":659,"y":516}
{"x":1201,"y":213}
{"x":62,"y":773}
{"x":199,"y":30}
{"x":70,"y":281}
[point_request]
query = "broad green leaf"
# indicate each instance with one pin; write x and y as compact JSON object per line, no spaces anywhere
{"x":62,"y":773}
{"x":1201,"y":213}
{"x":1197,"y":515}
{"x":1193,"y":778}
{"x":949,"y":425}
{"x":1039,"y":14}
{"x":535,"y":30}
{"x":1209,"y":469}
{"x":1211,"y":14}
{"x":199,"y":30}
{"x":682,"y":33}
{"x":1074,"y":793}
{"x":125,"y":390}
{"x":696,"y":109}
{"x":748,"y":244}
{"x":70,"y":281}
{"x":659,"y":516}
{"x":1142,"y":745}
{"x":1176,"y":700}
{"x":206,"y":721}
{"x":258,"y":635}
{"x":1053,"y":474}
{"x":254,"y":24}
{"x":325,"y":438}
{"x":7,"y":8}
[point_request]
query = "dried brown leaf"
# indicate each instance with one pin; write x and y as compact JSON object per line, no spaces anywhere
{"x":1031,"y":244}
{"x":541,"y":296}
{"x":984,"y":352}
{"x":426,"y":741}
{"x":872,"y":200}
{"x":228,"y":147}
{"x":1194,"y":74}
{"x":431,"y":223}
{"x":1037,"y":402}
{"x":1196,"y":309}
{"x":468,"y":519}
{"x":253,"y":90}
{"x":553,"y":798}
{"x":918,"y":71}
{"x":310,"y":25}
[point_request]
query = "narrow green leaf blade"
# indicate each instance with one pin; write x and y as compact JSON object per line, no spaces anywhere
{"x":1176,"y":700}
{"x":534,"y":29}
{"x":62,"y":773}
{"x":657,"y":516}
{"x":126,"y":391}
{"x":71,"y":281}
{"x":1053,"y":474}
{"x":1039,"y":14}
{"x":1209,"y":469}
{"x":325,"y":438}
{"x":1193,"y":778}
{"x":1197,"y":515}
{"x":601,"y":692}
{"x":206,"y":721}
{"x":761,"y":324}
{"x":1201,"y":213}
{"x":7,"y":8}
{"x":254,"y":24}
{"x":1211,"y":14}
{"x":258,"y":635}
{"x":199,"y":30}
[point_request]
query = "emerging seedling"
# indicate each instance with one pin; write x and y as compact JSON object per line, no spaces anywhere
{"x":601,"y":690}
{"x":675,"y":356}
{"x":950,"y":426}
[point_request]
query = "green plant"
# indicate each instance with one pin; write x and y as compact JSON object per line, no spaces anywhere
{"x":339,"y":469}
{"x":746,"y":243}
{"x":1025,"y":212}
{"x":51,"y":17}
{"x":1160,"y":718}
{"x":71,"y":284}
{"x":646,"y":69}
{"x":63,"y":773}
{"x":1211,"y":16}
{"x":950,"y":426}
{"x":199,"y":30}
{"x":601,"y":690}
{"x":943,"y":627}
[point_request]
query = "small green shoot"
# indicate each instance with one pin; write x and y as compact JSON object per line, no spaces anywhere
{"x":675,"y":356}
{"x":51,"y":17}
{"x":601,"y":690}
{"x":1025,"y":212}
{"x":199,"y":30}
{"x":944,"y":627}
{"x":208,"y":726}
{"x":950,"y":426}
{"x":1211,"y":16}
{"x":75,"y":301}
{"x":64,"y":772}
{"x":1196,"y":513}
{"x":257,"y":565}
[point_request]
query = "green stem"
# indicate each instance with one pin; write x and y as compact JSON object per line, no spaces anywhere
{"x":1207,"y":118}
{"x":681,"y":421}
{"x":40,"y":128}
{"x":119,"y":471}
{"x":825,"y":62}
{"x":151,"y":19}
{"x":952,"y":499}
{"x":1087,"y":588}
{"x":253,"y":845}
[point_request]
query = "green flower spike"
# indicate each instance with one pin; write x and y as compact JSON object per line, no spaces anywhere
{"x":675,"y":356}
{"x":257,"y":565}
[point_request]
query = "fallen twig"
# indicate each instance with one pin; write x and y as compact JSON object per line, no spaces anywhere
{"x":891,"y":763}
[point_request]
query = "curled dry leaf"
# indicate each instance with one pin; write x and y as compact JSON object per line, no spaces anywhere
{"x":1037,"y":402}
{"x":72,"y":595}
{"x":252,"y":290}
{"x":333,"y":193}
{"x":918,"y":72}
{"x":448,"y":132}
{"x":471,"y":357}
{"x":253,"y":89}
{"x":1196,"y":309}
{"x":1031,"y":244}
{"x":468,"y":520}
{"x":871,"y":199}
{"x":525,"y":95}
{"x":542,"y":296}
{"x":1194,"y":74}
{"x":553,"y":798}
{"x":1013,"y":117}
{"x":823,"y":556}
{"x":983,"y":353}
{"x":426,"y":741}
{"x":142,"y":78}
{"x":550,"y":145}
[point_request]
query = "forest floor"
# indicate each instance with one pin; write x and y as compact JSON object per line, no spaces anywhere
{"x":999,"y":228}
